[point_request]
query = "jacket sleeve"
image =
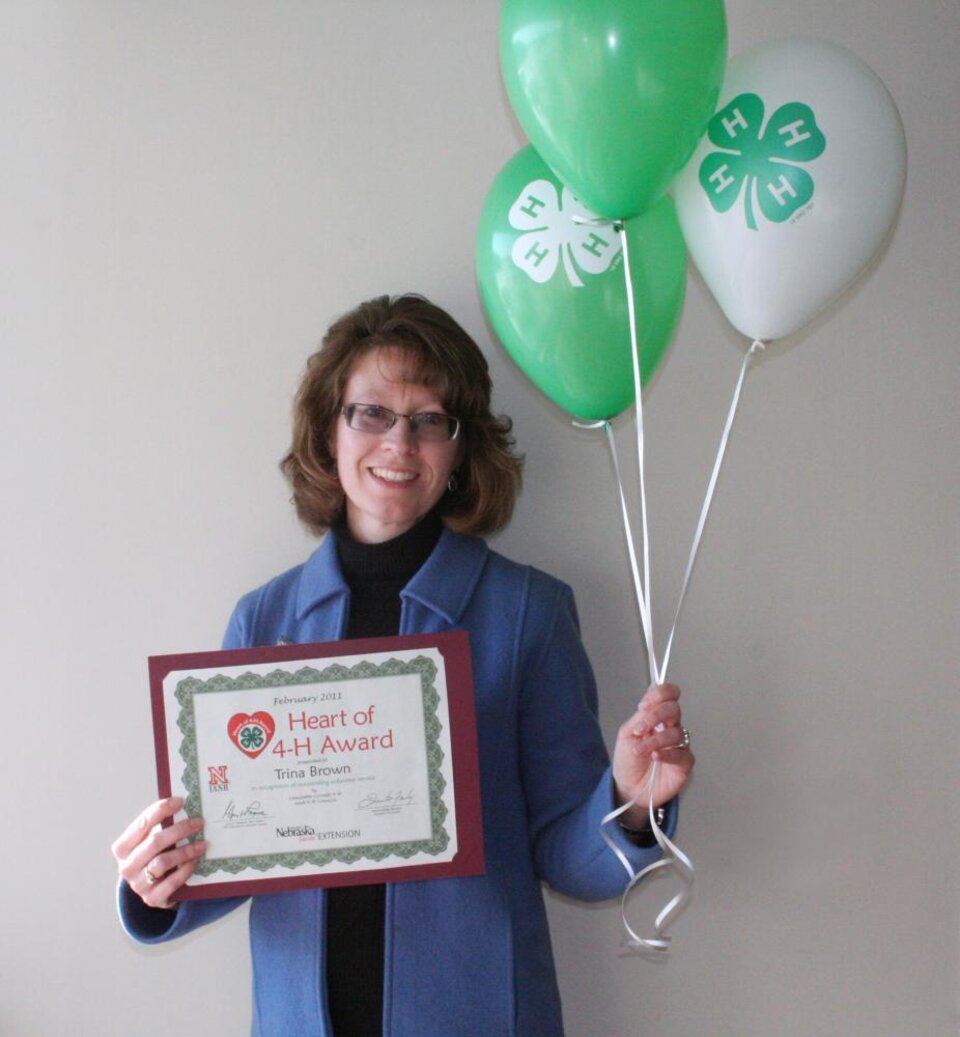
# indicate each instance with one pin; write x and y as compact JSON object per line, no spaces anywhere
{"x":565,"y":767}
{"x":153,"y":925}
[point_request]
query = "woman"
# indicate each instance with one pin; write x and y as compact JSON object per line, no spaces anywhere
{"x":395,"y":451}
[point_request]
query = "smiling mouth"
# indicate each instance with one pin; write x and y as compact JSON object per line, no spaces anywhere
{"x":392,"y":475}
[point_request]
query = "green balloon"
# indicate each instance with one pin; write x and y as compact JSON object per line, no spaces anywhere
{"x":554,"y":288}
{"x":614,"y":94}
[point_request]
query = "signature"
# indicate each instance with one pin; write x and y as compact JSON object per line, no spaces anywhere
{"x":390,"y":802}
{"x":250,"y":810}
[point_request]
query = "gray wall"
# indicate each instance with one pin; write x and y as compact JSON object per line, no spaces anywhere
{"x":190,"y":191}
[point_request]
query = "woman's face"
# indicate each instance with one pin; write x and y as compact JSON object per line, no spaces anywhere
{"x":391,"y":480}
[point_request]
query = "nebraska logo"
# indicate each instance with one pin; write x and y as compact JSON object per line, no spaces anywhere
{"x":296,"y":832}
{"x":217,"y":779}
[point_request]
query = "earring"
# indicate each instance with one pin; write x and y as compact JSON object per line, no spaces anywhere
{"x":453,"y":482}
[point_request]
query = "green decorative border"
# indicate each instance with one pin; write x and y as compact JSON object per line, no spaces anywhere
{"x":190,"y":687}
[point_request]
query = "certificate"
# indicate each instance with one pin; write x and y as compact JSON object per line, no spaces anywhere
{"x":322,"y":765}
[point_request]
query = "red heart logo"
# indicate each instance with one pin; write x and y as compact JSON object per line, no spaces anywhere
{"x":251,"y":732}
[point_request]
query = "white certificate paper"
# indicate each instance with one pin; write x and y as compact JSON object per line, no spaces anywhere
{"x":330,"y":764}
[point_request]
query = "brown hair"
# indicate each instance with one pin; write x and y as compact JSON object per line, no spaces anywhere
{"x":442,"y":356}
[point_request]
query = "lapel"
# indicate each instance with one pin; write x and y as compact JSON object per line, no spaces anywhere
{"x":323,"y":597}
{"x":438,"y":595}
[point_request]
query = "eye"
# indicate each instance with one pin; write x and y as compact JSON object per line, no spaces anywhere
{"x":430,"y":420}
{"x":371,"y":410}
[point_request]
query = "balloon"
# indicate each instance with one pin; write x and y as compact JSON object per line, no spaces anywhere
{"x":555,"y":292}
{"x":613,"y":94}
{"x":795,"y":186}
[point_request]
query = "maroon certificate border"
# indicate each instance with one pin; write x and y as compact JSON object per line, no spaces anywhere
{"x":454,"y":647}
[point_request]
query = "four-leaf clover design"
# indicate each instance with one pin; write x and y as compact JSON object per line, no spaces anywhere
{"x":251,"y":737}
{"x":559,"y":228}
{"x":761,"y":157}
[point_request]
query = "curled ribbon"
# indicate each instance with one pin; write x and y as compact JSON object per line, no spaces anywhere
{"x":673,"y":857}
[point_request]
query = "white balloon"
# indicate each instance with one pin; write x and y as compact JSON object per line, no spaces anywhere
{"x":795,"y":186}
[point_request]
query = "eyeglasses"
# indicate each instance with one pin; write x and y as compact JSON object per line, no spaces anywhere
{"x":425,"y":425}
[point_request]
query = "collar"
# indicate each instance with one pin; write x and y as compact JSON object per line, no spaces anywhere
{"x":445,"y":583}
{"x":398,"y":559}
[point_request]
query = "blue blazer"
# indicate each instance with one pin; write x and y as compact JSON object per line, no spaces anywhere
{"x":465,"y":957}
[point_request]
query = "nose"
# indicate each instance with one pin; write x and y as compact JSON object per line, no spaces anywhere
{"x":401,"y":436}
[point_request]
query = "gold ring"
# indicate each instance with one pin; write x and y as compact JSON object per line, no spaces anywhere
{"x":152,"y":879}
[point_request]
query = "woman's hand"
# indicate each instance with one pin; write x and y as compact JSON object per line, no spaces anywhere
{"x":654,"y":732}
{"x":148,"y":857}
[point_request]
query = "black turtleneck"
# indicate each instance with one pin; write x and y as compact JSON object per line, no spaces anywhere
{"x":375,"y":574}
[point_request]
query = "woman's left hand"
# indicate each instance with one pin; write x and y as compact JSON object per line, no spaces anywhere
{"x":654,"y":732}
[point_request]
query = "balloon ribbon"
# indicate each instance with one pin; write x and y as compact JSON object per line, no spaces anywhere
{"x":673,"y":857}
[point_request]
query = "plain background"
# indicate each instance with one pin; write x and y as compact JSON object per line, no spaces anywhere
{"x":190,"y":193}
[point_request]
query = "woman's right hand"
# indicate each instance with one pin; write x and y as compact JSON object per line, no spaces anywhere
{"x":148,"y":857}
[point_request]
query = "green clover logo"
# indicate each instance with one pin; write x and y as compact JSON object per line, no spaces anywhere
{"x":761,"y":158}
{"x":558,"y":228}
{"x":251,"y":737}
